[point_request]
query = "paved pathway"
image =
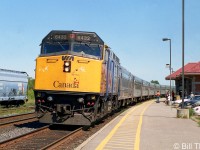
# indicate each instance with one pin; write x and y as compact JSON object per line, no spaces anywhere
{"x":149,"y":126}
{"x":161,"y":130}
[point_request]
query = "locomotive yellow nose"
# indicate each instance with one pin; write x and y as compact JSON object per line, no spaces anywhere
{"x":78,"y":74}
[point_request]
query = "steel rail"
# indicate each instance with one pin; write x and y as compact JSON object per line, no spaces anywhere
{"x":17,"y":115}
{"x":57,"y":143}
{"x":6,"y":142}
{"x":16,"y":121}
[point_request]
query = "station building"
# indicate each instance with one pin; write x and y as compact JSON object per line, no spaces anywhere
{"x":191,"y":79}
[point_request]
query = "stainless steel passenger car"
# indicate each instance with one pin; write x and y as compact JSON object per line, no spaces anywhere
{"x":125,"y":84}
{"x":145,"y":89}
{"x":151,"y":90}
{"x":137,"y":88}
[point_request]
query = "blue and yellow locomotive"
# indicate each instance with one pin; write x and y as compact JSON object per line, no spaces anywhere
{"x":78,"y":79}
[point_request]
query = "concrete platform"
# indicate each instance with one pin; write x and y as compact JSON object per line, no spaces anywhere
{"x":149,"y":126}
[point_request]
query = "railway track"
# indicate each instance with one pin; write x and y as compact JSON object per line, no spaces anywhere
{"x":64,"y":141}
{"x":4,"y":121}
{"x":45,"y":138}
{"x":42,"y":138}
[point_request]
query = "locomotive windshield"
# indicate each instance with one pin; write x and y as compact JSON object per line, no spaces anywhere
{"x":84,"y":44}
{"x":80,"y":49}
{"x":88,"y":50}
{"x":55,"y":47}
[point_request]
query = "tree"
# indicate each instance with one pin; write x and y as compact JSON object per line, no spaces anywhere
{"x":155,"y":82}
{"x":31,"y":83}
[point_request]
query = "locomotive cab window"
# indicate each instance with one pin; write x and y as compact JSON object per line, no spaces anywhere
{"x":88,"y":50}
{"x":55,"y":47}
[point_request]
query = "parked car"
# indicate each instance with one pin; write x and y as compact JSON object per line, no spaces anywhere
{"x":197,"y":110}
{"x":180,"y":100}
{"x":192,"y":102}
{"x":197,"y":103}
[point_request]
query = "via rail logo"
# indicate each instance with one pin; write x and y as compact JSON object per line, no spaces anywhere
{"x":186,"y":146}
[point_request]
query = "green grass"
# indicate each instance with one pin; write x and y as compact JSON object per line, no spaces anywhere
{"x":191,"y":112}
{"x":199,"y":122}
{"x":31,"y":94}
{"x":194,"y":117}
{"x":197,"y":118}
{"x":29,"y":106}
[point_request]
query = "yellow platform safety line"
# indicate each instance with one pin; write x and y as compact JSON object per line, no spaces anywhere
{"x":137,"y":138}
{"x":105,"y":141}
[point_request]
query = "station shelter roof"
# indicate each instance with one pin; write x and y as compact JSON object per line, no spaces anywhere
{"x":189,"y":69}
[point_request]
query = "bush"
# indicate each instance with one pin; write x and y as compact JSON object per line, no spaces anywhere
{"x":31,"y":95}
{"x":31,"y":83}
{"x":191,"y":112}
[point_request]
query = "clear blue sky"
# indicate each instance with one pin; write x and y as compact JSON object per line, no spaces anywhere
{"x":132,"y":28}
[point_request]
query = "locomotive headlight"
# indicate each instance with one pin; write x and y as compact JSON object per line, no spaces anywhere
{"x":50,"y":98}
{"x":67,"y":64}
{"x":66,"y":69}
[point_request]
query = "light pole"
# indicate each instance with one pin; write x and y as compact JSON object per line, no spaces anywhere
{"x":183,"y":37}
{"x":173,"y":82}
{"x":170,"y":64}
